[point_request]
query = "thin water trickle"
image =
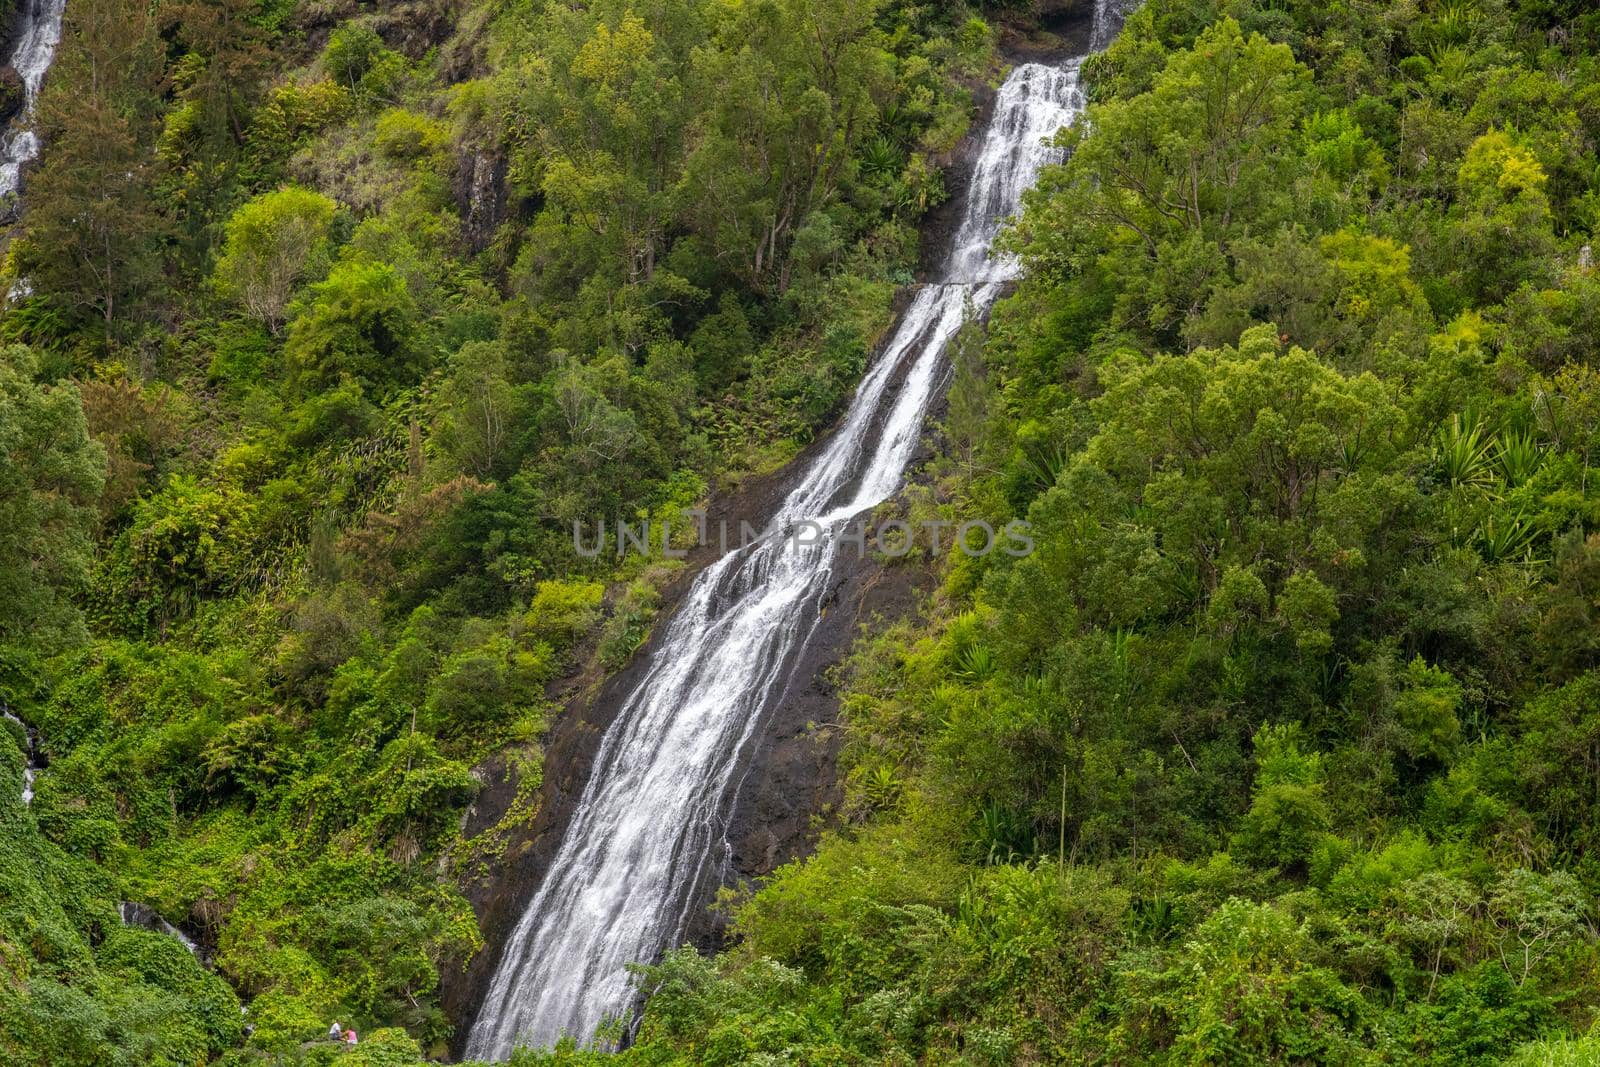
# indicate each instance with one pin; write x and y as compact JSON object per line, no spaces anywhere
{"x":134,"y":914}
{"x":640,"y":850}
{"x":30,"y":769}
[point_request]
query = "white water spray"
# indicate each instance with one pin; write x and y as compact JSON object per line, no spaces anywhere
{"x":38,"y":31}
{"x":30,"y":769}
{"x":644,"y":843}
{"x":134,"y":914}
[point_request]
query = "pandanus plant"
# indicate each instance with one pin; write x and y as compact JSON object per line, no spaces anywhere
{"x":1451,"y":26}
{"x":1480,"y":465}
{"x":1000,"y":834}
{"x":882,"y":786}
{"x":1463,"y":453}
{"x":881,"y":157}
{"x":1468,"y":455}
{"x":1517,"y":457}
{"x":1502,"y":538}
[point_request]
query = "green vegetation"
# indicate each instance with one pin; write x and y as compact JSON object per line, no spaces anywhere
{"x":296,"y":415}
{"x":1282,"y":747}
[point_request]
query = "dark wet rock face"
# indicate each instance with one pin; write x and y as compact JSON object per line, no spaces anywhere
{"x":480,"y":193}
{"x":791,"y":784}
{"x":1056,"y":28}
{"x":13,"y":94}
{"x":133,"y":913}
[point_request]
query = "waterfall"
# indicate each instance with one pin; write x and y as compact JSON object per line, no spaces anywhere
{"x":645,"y":843}
{"x":30,"y":769}
{"x":38,"y":31}
{"x":134,"y":914}
{"x":1107,"y":23}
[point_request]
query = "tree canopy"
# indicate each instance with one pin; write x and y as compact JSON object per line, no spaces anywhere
{"x":1281,"y":746}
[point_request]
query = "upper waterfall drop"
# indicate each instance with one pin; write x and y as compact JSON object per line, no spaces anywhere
{"x":640,"y":849}
{"x":38,"y":34}
{"x":1030,"y":107}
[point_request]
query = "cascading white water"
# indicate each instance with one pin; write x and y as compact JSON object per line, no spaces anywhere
{"x":38,"y":31}
{"x":30,"y":769}
{"x":133,"y":914}
{"x":644,"y":840}
{"x":1107,"y":23}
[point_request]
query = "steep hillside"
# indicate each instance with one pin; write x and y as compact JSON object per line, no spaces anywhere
{"x":326,"y":322}
{"x":326,"y":325}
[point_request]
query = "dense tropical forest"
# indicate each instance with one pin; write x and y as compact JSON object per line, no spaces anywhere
{"x":327,"y":320}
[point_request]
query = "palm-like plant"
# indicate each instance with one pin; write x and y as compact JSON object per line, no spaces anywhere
{"x":882,"y":786}
{"x":881,"y":157}
{"x":1001,"y":835}
{"x":1503,"y":538}
{"x":975,"y":663}
{"x":1463,"y":453}
{"x":1043,"y":462}
{"x":896,"y":122}
{"x":1453,"y":24}
{"x":1518,"y":457}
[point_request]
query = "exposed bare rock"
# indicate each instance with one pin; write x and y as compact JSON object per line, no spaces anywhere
{"x":13,"y":93}
{"x":480,"y":194}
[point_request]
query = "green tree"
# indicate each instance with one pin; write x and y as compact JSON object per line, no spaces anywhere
{"x":357,"y":59}
{"x":1426,"y":707}
{"x":791,"y":91}
{"x":479,"y":408}
{"x":1171,"y":177}
{"x":359,"y":322}
{"x":50,"y":475}
{"x":1504,"y":236}
{"x":271,"y":243}
{"x":217,"y":82}
{"x":612,"y":120}
{"x":1288,"y":814}
{"x":93,"y":230}
{"x":1245,"y":989}
{"x":1538,"y":916}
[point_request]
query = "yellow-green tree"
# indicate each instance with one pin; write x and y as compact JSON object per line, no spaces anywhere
{"x":272,"y":242}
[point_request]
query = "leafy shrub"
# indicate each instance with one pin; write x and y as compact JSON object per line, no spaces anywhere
{"x":1287,"y":813}
{"x":358,"y":323}
{"x":563,"y":611}
{"x":357,"y":60}
{"x":407,"y":136}
{"x":271,"y":242}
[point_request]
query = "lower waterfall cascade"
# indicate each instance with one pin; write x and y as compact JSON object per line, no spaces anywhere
{"x":646,"y":840}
